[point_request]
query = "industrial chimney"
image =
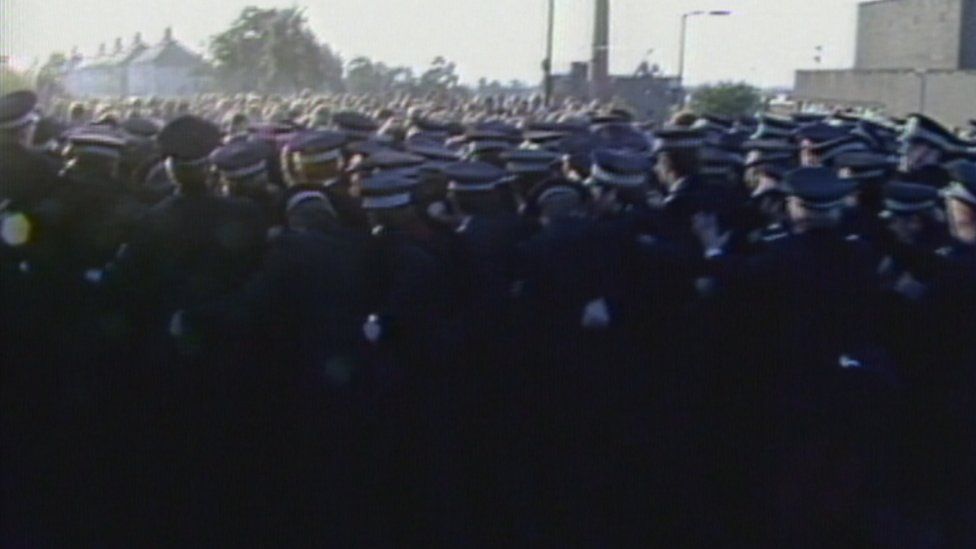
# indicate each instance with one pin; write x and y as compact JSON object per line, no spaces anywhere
{"x":600,"y":63}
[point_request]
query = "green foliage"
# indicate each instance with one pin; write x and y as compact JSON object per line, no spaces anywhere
{"x":727,"y":99}
{"x":274,"y":50}
{"x":363,"y":75}
{"x":440,"y":77}
{"x":11,"y":80}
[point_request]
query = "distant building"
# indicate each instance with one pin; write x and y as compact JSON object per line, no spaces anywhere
{"x":912,"y":56}
{"x":167,"y":68}
{"x":649,"y":93}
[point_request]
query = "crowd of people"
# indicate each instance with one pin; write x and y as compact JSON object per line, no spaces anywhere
{"x":339,"y":321}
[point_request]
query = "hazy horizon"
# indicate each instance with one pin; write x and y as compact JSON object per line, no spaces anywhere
{"x":763,"y":42}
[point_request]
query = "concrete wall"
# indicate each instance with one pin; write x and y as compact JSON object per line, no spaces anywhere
{"x":946,"y":95}
{"x":917,"y":34}
{"x":651,"y":98}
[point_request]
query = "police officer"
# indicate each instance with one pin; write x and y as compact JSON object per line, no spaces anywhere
{"x":871,"y":171}
{"x":816,"y":296}
{"x":228,"y":233}
{"x":187,"y":255}
{"x":767,"y":201}
{"x":414,"y":329}
{"x":528,"y":168}
{"x":31,"y":418}
{"x":925,"y":146}
{"x":244,"y":173}
{"x":488,"y":231}
{"x":314,"y":161}
{"x":944,"y":395}
{"x":25,"y":178}
{"x":908,"y":270}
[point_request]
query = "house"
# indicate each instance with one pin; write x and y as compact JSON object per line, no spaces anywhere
{"x":167,"y":68}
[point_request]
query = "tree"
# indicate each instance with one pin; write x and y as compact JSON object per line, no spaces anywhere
{"x":366,"y":76}
{"x":49,"y":75}
{"x":273,"y":50}
{"x":726,"y":99}
{"x":332,"y":68}
{"x":440,"y":77}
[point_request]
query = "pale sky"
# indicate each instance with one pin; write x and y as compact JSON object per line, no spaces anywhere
{"x":763,"y":42}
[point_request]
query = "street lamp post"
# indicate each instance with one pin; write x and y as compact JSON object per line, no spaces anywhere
{"x":683,"y":39}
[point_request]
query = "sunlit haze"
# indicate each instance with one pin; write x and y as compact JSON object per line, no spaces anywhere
{"x":763,"y":42}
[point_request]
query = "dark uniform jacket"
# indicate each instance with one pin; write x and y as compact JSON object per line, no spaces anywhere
{"x":190,"y":249}
{"x":817,"y":291}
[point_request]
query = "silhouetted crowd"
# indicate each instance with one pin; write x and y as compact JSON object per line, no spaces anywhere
{"x":340,"y":321}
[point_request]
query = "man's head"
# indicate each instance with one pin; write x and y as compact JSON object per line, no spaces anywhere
{"x":314,"y":157}
{"x":186,"y":144}
{"x":488,"y":147}
{"x":816,"y":197}
{"x":355,"y":125}
{"x":77,"y":114}
{"x":557,"y":198}
{"x":387,"y":198}
{"x":771,"y":127}
{"x":619,"y":178}
{"x":675,"y":165}
{"x":683,"y":119}
{"x":924,"y":143}
{"x":677,"y":154}
{"x":18,"y":116}
{"x":961,"y":203}
{"x":761,"y":166}
{"x":237,"y":123}
{"x":909,"y":209}
{"x":310,"y":211}
{"x":243,"y":167}
{"x":530,"y":167}
{"x":825,"y":153}
{"x":918,"y":153}
{"x":95,"y":152}
{"x":473,"y":187}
